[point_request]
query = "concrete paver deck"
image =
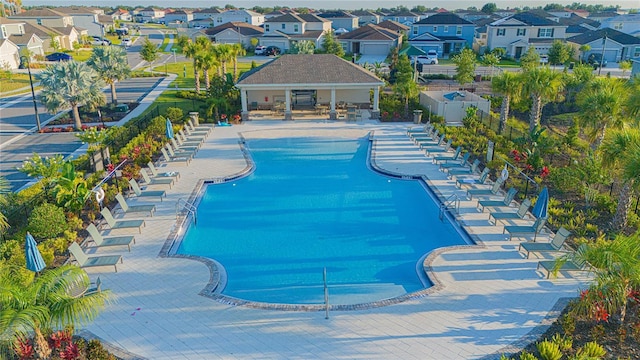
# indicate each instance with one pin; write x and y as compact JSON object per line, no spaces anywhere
{"x":488,"y":297}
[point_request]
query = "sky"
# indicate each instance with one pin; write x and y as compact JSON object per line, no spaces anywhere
{"x":326,"y":4}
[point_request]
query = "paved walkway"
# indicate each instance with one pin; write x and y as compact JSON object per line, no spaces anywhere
{"x":488,"y":297}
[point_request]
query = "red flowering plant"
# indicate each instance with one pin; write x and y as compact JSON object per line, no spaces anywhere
{"x":24,"y":349}
{"x":529,"y":156}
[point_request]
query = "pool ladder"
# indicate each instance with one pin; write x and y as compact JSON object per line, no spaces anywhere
{"x":453,"y":201}
{"x":188,"y":207}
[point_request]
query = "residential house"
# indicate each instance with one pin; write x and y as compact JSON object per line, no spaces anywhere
{"x":150,"y":14}
{"x":85,"y":18}
{"x":29,"y":41}
{"x":178,"y":16}
{"x":247,"y":16}
{"x":274,"y":13}
{"x":121,"y":14}
{"x":518,"y":32}
{"x":49,"y":36}
{"x":370,"y":40}
{"x":635,"y":67}
{"x":201,"y":23}
{"x":444,"y":32}
{"x":206,"y":14}
{"x":70,"y":35}
{"x":9,"y":55}
{"x":234,"y":32}
{"x":615,"y":45}
{"x":10,"y":27}
{"x":404,"y":17}
{"x":566,"y":13}
{"x":480,"y":33}
{"x":473,"y":16}
{"x":107,"y":23}
{"x":578,"y":25}
{"x":628,"y":24}
{"x":366,"y":17}
{"x":341,"y":20}
{"x":46,"y":17}
{"x":281,"y":31}
{"x":503,"y":13}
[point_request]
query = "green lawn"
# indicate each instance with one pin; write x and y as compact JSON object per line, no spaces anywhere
{"x":17,"y":81}
{"x":81,"y":55}
{"x":169,"y":99}
{"x":189,"y":81}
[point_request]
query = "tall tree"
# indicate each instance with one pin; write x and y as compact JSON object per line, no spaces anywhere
{"x":509,"y":84}
{"x":621,"y":152}
{"x":237,"y":50}
{"x":465,"y":66}
{"x":112,"y":65}
{"x":492,"y":60}
{"x":602,"y":106}
{"x":543,"y":85}
{"x":559,"y":53}
{"x":44,"y":302}
{"x":207,"y":61}
{"x":331,"y":45}
{"x":149,"y":52}
{"x":225,"y":55}
{"x":71,"y":84}
{"x":489,"y":8}
{"x":405,"y":86}
{"x":192,"y":51}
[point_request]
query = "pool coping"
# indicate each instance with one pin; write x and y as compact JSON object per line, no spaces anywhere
{"x":217,"y":274}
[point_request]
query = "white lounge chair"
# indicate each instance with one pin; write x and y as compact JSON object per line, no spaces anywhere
{"x":126,"y":208}
{"x":121,"y":224}
{"x":85,"y":261}
{"x":147,"y":193}
{"x":102,"y":241}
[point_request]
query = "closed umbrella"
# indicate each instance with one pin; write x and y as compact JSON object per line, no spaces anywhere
{"x":169,"y":130}
{"x":540,"y":210}
{"x":35,"y":262}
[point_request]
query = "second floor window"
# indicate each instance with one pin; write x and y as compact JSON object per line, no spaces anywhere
{"x":545,"y":33}
{"x":636,"y":51}
{"x":39,"y":21}
{"x":435,"y":29}
{"x":284,"y":26}
{"x":446,"y":29}
{"x":266,"y":27}
{"x":617,"y":26}
{"x":459,"y":30}
{"x":501,"y":32}
{"x":522,"y":32}
{"x":415,"y":30}
{"x":296,"y":27}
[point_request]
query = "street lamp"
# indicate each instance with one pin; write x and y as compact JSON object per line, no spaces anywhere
{"x":25,"y":60}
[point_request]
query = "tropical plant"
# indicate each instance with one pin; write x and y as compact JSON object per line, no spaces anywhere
{"x":303,"y":47}
{"x":46,"y":169}
{"x":530,"y":60}
{"x":5,"y":188}
{"x":601,"y":104}
{"x":94,"y":137}
{"x":149,"y":52}
{"x":331,"y":45}
{"x":591,"y":350}
{"x":72,"y":189}
{"x":549,"y":350}
{"x":465,"y":66}
{"x":559,"y":52}
{"x":543,"y":85}
{"x":491,"y":60}
{"x":71,"y":84}
{"x":621,"y":152}
{"x":112,"y":65}
{"x":236,"y":51}
{"x":224,"y":53}
{"x":405,"y":87}
{"x":508,"y":84}
{"x":192,"y":50}
{"x":43,"y":302}
{"x":47,"y":221}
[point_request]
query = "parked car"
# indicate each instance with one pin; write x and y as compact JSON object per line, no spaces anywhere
{"x":97,"y":41}
{"x":260,"y":50}
{"x":432,"y":54}
{"x":126,"y":42}
{"x":544,"y":59}
{"x":595,"y":59}
{"x":426,"y":60}
{"x":58,"y":56}
{"x":272,"y":51}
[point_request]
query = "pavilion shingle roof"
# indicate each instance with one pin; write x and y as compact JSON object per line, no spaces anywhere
{"x":309,"y":68}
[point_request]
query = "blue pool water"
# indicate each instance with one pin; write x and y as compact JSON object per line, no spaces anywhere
{"x":313,"y":203}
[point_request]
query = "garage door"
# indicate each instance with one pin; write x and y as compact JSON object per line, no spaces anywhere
{"x":374,"y":49}
{"x":611,"y":55}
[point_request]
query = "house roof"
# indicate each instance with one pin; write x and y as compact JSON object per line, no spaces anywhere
{"x":43,"y":32}
{"x":393,"y":25}
{"x":43,"y":12}
{"x":527,"y":18}
{"x":105,"y":19}
{"x":370,"y":32}
{"x":312,"y":18}
{"x":576,"y":29}
{"x":119,"y":12}
{"x":73,"y":10}
{"x":403,"y":14}
{"x":604,"y":14}
{"x":208,"y":11}
{"x":624,"y":18}
{"x":22,"y":39}
{"x":444,"y":19}
{"x":286,"y":18}
{"x":578,"y":20}
{"x":7,"y":41}
{"x":336,"y":14}
{"x":67,"y":30}
{"x":4,"y":20}
{"x":308,"y":68}
{"x":615,"y":35}
{"x":307,"y":35}
{"x":361,"y":13}
{"x":242,"y":27}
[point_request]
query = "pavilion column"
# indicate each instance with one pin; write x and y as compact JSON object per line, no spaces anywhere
{"x":332,"y":112}
{"x":375,"y":112}
{"x":243,"y":101}
{"x":287,"y":108}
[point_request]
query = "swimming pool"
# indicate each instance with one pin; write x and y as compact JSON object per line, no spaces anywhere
{"x":313,"y":203}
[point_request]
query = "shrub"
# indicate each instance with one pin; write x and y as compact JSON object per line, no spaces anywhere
{"x":591,"y":350}
{"x":95,"y":351}
{"x":175,"y":114}
{"x":47,"y":221}
{"x":549,"y":350}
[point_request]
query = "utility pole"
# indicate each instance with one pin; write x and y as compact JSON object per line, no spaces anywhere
{"x":604,"y":44}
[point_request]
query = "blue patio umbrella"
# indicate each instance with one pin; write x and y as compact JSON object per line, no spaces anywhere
{"x":540,"y":210}
{"x":169,"y":130}
{"x":35,"y":262}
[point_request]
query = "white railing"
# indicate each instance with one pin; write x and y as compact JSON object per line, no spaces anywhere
{"x":452,"y":200}
{"x":188,"y":207}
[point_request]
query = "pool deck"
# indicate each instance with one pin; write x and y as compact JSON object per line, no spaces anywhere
{"x":489,"y":298}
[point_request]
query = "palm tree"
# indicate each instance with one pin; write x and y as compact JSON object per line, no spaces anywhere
{"x":601,"y":105}
{"x":621,"y":152}
{"x":225,"y":54}
{"x":633,"y":98}
{"x":208,"y":60}
{"x":543,"y":85}
{"x":71,"y":84}
{"x":112,"y":65}
{"x":509,"y":84}
{"x":45,"y":301}
{"x":192,"y":51}
{"x":237,"y":50}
